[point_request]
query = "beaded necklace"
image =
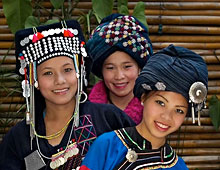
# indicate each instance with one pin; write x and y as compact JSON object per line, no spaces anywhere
{"x":55,"y":135}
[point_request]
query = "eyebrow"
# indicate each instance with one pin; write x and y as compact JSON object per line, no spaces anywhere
{"x":162,"y":97}
{"x":168,"y":101}
{"x":126,"y":62}
{"x":62,"y":66}
{"x":68,"y":64}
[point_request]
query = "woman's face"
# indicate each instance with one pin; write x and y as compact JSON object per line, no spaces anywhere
{"x":163,"y":113}
{"x":57,"y":80}
{"x":119,"y":73}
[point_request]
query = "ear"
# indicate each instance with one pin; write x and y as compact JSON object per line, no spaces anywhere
{"x":139,"y":71}
{"x":143,"y":98}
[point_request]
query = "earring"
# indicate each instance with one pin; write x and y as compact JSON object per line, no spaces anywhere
{"x":85,"y":98}
{"x":36,"y":85}
{"x":142,"y":104}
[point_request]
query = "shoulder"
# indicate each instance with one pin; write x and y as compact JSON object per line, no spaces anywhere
{"x":15,"y":144}
{"x":109,"y":141}
{"x":20,"y":129}
{"x":17,"y":135}
{"x":181,"y":164}
{"x":106,"y":137}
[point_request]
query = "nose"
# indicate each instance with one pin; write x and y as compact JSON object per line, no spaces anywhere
{"x":166,"y":115}
{"x":60,"y":79}
{"x":119,"y":74}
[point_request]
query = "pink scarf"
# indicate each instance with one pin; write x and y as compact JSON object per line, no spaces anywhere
{"x":134,"y":108}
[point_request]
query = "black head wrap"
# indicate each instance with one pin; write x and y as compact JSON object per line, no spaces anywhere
{"x":174,"y":69}
{"x":119,"y":33}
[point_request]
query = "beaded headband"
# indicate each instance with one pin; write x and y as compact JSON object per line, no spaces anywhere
{"x":37,"y":47}
{"x":49,"y":46}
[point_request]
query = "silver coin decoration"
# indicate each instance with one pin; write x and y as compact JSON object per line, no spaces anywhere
{"x":75,"y":151}
{"x":52,"y":165}
{"x":62,"y":160}
{"x":63,"y":156}
{"x":131,"y":155}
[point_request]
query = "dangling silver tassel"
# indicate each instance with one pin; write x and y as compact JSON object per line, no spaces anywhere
{"x":28,"y":116}
{"x":32,"y":114}
{"x":197,"y":95}
{"x":76,"y":112}
{"x":199,"y":122}
{"x":193,"y":113}
{"x":32,"y":77}
{"x":26,"y":94}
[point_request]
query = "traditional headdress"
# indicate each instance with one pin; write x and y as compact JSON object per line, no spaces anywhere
{"x":176,"y":69}
{"x":36,"y":45}
{"x":119,"y":32}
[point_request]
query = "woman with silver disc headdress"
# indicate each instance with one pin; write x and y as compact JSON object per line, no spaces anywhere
{"x":172,"y":84}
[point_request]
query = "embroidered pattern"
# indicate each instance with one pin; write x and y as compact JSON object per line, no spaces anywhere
{"x":127,"y":28}
{"x":85,"y":134}
{"x":165,"y":157}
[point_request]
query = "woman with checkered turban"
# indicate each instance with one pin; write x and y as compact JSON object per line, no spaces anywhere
{"x":119,"y":47}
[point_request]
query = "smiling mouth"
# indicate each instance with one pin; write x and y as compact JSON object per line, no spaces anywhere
{"x":120,"y":85}
{"x":61,"y":90}
{"x":161,"y":126}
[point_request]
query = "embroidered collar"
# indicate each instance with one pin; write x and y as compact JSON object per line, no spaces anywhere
{"x":164,"y":157}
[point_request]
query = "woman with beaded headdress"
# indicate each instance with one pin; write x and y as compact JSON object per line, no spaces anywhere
{"x":119,"y":47}
{"x":60,"y":124}
{"x":172,"y":84}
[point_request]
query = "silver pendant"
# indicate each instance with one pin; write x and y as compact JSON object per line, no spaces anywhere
{"x":131,"y":155}
{"x":197,"y":92}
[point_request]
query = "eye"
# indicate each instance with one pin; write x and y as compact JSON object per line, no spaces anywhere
{"x":127,"y":66}
{"x":160,"y":102}
{"x":68,"y":69}
{"x":47,"y":73}
{"x":109,"y":67}
{"x":180,"y":111}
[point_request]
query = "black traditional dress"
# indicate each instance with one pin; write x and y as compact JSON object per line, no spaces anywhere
{"x":95,"y":119}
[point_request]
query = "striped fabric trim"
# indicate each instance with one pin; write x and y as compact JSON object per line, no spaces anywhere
{"x":164,"y":157}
